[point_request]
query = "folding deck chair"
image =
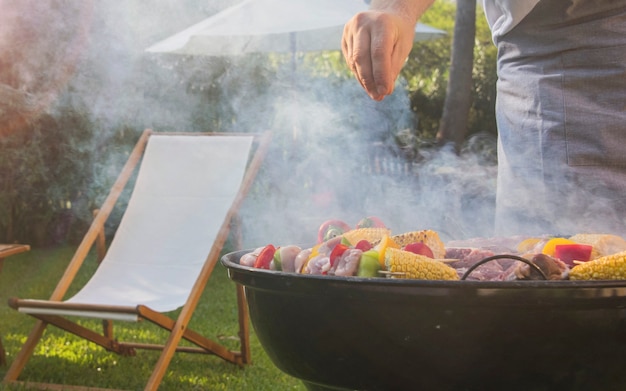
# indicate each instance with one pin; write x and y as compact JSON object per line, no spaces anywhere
{"x":187,"y":192}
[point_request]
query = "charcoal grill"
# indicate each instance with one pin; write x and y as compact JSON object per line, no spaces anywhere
{"x":348,"y":333}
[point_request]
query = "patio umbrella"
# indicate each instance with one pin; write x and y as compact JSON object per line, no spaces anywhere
{"x":261,"y":26}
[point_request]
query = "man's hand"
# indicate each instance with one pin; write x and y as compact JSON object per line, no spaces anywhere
{"x":376,"y":43}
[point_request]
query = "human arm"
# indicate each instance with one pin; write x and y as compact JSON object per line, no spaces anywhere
{"x":377,"y":42}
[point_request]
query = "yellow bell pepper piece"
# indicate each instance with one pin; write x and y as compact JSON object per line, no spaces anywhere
{"x":385,"y":243}
{"x":550,"y":247}
{"x":315,"y":251}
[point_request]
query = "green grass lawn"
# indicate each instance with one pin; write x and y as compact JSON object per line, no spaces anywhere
{"x":62,"y":358}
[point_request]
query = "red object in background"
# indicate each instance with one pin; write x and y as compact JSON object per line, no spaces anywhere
{"x":330,"y":229}
{"x":44,"y":39}
{"x":568,"y":253}
{"x":370,"y":222}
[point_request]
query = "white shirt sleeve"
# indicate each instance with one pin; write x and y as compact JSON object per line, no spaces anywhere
{"x":503,"y":15}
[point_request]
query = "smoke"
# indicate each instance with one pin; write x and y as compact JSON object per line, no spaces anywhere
{"x":334,"y":152}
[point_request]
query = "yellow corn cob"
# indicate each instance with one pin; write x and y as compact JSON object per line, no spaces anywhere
{"x":372,"y":235}
{"x":603,"y":244}
{"x":428,"y":237}
{"x":417,"y":266}
{"x":610,"y":267}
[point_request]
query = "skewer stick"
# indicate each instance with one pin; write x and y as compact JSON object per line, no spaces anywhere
{"x":389,"y":274}
{"x":446,"y":259}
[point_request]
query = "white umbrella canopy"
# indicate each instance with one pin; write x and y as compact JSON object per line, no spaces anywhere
{"x":263,"y":26}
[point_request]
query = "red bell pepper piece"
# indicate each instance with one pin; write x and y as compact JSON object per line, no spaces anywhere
{"x":363,"y":245}
{"x":568,"y":253}
{"x":337,"y":253}
{"x":265,"y":257}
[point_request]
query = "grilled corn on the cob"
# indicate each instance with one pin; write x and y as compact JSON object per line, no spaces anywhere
{"x":610,"y":267}
{"x":372,"y":235}
{"x":603,"y":244}
{"x":427,"y":236}
{"x":409,"y":265}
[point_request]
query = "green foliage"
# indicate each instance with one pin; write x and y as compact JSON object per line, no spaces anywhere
{"x":55,"y":173}
{"x":42,"y":175}
{"x":427,"y":73}
{"x":425,"y":78}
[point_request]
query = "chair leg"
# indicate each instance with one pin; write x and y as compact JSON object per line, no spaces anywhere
{"x":244,"y":325}
{"x":27,"y":350}
{"x":107,"y":328}
{"x":242,"y":305}
{"x":166,"y":357}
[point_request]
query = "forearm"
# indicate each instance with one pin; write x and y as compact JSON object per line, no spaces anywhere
{"x":411,"y":10}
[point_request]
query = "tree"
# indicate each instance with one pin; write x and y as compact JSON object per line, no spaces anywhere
{"x":453,"y":125}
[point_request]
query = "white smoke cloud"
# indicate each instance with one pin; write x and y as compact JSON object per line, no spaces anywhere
{"x":327,"y":160}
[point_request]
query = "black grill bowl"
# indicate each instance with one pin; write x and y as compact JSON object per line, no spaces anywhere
{"x":391,"y":334}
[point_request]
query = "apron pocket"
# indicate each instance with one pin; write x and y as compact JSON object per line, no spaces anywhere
{"x":594,"y":90}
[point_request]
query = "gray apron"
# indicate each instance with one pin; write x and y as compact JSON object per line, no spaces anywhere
{"x":561,"y":115}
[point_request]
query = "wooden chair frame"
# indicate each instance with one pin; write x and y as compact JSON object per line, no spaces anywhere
{"x":177,"y":327}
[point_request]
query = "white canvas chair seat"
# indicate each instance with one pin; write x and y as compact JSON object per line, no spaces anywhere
{"x":187,"y":191}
